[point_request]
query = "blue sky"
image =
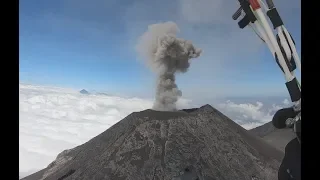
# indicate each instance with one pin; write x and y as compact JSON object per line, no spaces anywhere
{"x":91,"y":45}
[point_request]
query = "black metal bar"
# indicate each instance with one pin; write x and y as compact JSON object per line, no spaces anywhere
{"x":270,"y":4}
{"x":237,"y":14}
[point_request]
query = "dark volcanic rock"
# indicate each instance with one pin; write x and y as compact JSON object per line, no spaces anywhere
{"x":198,"y":144}
{"x":278,"y":138}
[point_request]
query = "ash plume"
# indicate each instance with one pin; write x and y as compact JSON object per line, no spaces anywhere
{"x":165,"y":55}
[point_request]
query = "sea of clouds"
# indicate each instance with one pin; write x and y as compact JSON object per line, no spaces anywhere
{"x":53,"y":119}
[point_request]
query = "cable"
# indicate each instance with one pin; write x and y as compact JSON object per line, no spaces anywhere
{"x":256,"y":32}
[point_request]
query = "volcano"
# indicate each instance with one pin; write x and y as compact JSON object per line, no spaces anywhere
{"x":190,"y":144}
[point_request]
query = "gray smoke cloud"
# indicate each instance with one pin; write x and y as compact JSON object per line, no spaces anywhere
{"x":165,"y":55}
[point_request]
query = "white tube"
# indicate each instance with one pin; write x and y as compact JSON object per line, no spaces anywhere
{"x":293,"y":47}
{"x":263,"y":33}
{"x":267,"y":40}
{"x":265,"y":37}
{"x":284,"y":43}
{"x":274,"y":43}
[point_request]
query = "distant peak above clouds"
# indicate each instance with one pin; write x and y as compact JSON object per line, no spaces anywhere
{"x":83,"y":91}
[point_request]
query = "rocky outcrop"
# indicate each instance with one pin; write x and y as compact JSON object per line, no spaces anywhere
{"x":192,"y":144}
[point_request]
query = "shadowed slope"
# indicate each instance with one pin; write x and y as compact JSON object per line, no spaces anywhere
{"x":278,"y":138}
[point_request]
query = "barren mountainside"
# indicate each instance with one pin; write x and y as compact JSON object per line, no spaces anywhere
{"x":278,"y":138}
{"x":190,"y":144}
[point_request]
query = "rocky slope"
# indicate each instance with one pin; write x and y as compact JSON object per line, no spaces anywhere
{"x":195,"y":144}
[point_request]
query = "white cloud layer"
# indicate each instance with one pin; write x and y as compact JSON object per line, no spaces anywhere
{"x":54,"y":119}
{"x":250,"y":115}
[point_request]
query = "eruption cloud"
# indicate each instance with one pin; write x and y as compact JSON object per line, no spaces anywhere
{"x":165,"y":55}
